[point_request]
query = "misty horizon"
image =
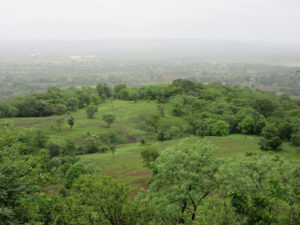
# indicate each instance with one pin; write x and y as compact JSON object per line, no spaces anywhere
{"x":271,"y":22}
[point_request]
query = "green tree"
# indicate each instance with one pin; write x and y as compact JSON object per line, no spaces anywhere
{"x":17,"y":180}
{"x":247,"y":125}
{"x":183,"y":177}
{"x":71,"y":122}
{"x":108,"y":118}
{"x":91,"y":144}
{"x":255,"y":209}
{"x":149,"y":155}
{"x":134,"y":95}
{"x":118,"y":89}
{"x":60,"y":109}
{"x":270,"y":138}
{"x":265,"y":106}
{"x":220,"y":128}
{"x":104,"y":90}
{"x":177,"y":110}
{"x":259,"y":124}
{"x":91,"y":111}
{"x":98,"y":199}
{"x":261,"y":187}
{"x":73,"y":173}
{"x":69,"y":147}
{"x":153,"y":121}
{"x":72,"y":104}
{"x":54,"y":149}
{"x":41,"y":139}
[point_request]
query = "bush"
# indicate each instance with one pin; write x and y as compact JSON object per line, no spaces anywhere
{"x":271,"y":139}
{"x":149,"y":155}
{"x":220,"y":128}
{"x":74,"y":172}
{"x":91,"y":144}
{"x":112,"y":138}
{"x":247,"y":125}
{"x":54,"y":149}
{"x":55,"y":163}
{"x":169,"y":129}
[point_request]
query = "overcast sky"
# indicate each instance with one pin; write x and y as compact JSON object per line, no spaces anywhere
{"x":271,"y":21}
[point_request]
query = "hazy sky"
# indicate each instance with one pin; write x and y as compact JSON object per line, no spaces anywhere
{"x":275,"y":21}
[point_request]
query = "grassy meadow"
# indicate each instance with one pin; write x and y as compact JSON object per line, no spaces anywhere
{"x":127,"y":164}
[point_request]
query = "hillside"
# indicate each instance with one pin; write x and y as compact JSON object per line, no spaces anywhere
{"x":127,"y":164}
{"x":148,"y":153}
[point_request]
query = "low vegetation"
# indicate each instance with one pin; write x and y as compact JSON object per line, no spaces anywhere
{"x":180,"y":153}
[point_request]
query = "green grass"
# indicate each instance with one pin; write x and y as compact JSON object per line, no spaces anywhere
{"x":128,"y":166}
{"x":130,"y":122}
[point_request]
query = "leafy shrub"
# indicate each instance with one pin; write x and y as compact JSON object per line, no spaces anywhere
{"x":74,"y":172}
{"x":54,"y":149}
{"x":247,"y":125}
{"x":220,"y":128}
{"x":271,"y":139}
{"x":55,"y":162}
{"x":149,"y":155}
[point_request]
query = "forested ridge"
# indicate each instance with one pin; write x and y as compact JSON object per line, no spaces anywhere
{"x":191,"y":181}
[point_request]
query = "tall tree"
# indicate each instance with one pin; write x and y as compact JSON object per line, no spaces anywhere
{"x":183,"y":177}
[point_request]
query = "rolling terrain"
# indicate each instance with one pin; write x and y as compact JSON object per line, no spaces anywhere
{"x":127,"y":164}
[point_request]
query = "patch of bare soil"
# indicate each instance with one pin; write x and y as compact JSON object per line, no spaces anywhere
{"x":130,"y":138}
{"x":29,"y":124}
{"x":140,"y":173}
{"x":142,"y":183}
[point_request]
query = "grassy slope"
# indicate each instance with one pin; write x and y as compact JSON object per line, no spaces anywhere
{"x":130,"y":121}
{"x":127,"y":164}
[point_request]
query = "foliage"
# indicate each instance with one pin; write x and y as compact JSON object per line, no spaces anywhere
{"x":247,"y":125}
{"x":96,"y":199}
{"x":91,"y":111}
{"x":109,"y":118}
{"x":73,"y":173}
{"x":220,"y":128}
{"x":254,"y":209}
{"x":271,"y":139}
{"x":54,"y":149}
{"x":260,"y":187}
{"x":91,"y":144}
{"x":153,"y":121}
{"x":71,"y":121}
{"x":149,"y":155}
{"x":184,"y":177}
